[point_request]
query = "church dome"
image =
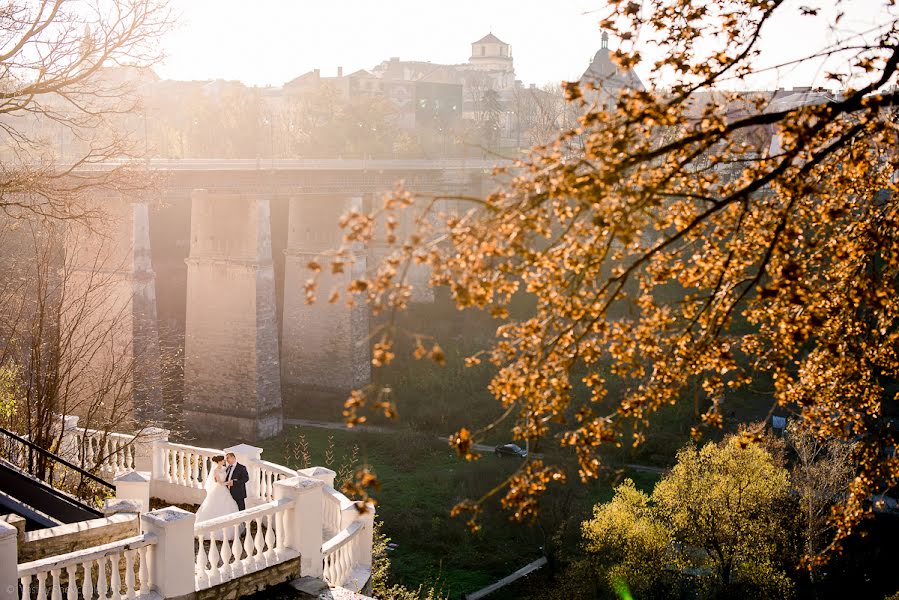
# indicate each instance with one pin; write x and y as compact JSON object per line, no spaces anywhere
{"x":607,"y":76}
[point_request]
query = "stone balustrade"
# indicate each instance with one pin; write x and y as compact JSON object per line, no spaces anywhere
{"x":342,"y":556}
{"x":268,"y":474}
{"x":113,"y":453}
{"x":95,"y":570}
{"x":331,"y":509}
{"x":183,"y":465}
{"x":239,"y":544}
{"x":295,"y":522}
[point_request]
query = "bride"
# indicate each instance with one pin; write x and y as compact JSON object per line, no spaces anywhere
{"x":218,"y":502}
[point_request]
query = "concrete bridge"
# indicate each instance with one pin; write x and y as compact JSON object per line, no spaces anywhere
{"x":217,"y":257}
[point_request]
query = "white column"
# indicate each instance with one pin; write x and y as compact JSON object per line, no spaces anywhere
{"x":69,"y":449}
{"x":321,"y":473}
{"x":304,"y":521}
{"x":249,"y":456}
{"x":144,"y":455}
{"x":173,"y":557}
{"x":9,"y":570}
{"x":134,"y":485}
{"x":368,"y":522}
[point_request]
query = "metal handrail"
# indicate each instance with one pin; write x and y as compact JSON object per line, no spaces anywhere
{"x":58,"y":459}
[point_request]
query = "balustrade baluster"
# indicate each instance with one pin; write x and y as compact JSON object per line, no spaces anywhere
{"x":258,"y":540}
{"x":236,"y":547}
{"x":166,"y":466}
{"x":214,"y":557}
{"x":201,"y":555}
{"x":102,"y":587}
{"x":56,"y":593}
{"x":194,"y":469}
{"x":72,"y":589}
{"x":108,"y":453}
{"x":87,"y":584}
{"x":26,"y":587}
{"x":123,"y":455}
{"x":143,"y":571}
{"x":204,"y":470}
{"x":129,"y":573}
{"x":115,"y":579}
{"x":270,"y":533}
{"x":248,"y":540}
{"x":42,"y":586}
{"x":226,"y":554}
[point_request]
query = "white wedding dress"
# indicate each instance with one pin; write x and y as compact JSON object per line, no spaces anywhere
{"x":218,"y":502}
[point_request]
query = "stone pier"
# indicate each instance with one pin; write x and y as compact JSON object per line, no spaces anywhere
{"x":109,"y":315}
{"x":325,"y":350}
{"x":231,"y":366}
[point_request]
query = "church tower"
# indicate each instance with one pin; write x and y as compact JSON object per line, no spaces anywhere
{"x":491,"y":54}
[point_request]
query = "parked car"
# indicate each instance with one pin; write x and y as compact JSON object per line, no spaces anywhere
{"x":510,"y":450}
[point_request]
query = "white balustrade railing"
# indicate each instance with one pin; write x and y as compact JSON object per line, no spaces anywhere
{"x":268,"y":473}
{"x":332,"y":504}
{"x":235,"y":545}
{"x":184,"y":465}
{"x":336,"y":547}
{"x":341,"y":555}
{"x":95,"y":571}
{"x":111,"y":451}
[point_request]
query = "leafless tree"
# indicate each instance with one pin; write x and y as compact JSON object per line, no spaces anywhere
{"x":67,"y":328}
{"x":68,"y":70}
{"x":821,"y":475}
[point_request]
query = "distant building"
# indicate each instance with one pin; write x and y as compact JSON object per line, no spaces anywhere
{"x":604,"y":80}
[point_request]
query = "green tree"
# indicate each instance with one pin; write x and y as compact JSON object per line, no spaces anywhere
{"x":628,"y":544}
{"x":712,"y":528}
{"x":728,"y":501}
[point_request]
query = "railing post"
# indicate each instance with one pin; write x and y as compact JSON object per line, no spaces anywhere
{"x":134,"y":485}
{"x":304,"y":521}
{"x":249,"y":456}
{"x":68,"y":447}
{"x":173,"y":556}
{"x":144,"y":450}
{"x":321,"y":473}
{"x":9,"y":569}
{"x":368,"y":522}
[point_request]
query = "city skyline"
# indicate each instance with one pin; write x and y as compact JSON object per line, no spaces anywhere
{"x":289,"y":39}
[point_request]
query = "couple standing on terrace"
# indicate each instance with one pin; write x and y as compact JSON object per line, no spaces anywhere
{"x":226,"y":488}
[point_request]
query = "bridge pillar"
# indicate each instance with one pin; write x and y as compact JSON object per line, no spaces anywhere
{"x":111,"y":315}
{"x":232,"y":382}
{"x":325,"y":350}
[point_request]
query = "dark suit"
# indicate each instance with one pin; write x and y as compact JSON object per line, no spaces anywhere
{"x":239,"y":475}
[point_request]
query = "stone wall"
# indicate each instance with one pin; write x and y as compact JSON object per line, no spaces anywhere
{"x":325,"y":350}
{"x":34,"y":545}
{"x":109,"y":314}
{"x":232,"y":382}
{"x":252,"y":583}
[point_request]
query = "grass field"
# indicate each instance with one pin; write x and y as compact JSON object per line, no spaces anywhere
{"x":420,"y":481}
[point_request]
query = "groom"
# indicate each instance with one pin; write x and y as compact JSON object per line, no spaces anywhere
{"x":236,"y":478}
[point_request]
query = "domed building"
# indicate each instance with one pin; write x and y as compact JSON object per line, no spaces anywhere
{"x":606,"y":78}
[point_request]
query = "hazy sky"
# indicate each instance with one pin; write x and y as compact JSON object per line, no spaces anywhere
{"x":271,"y":41}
